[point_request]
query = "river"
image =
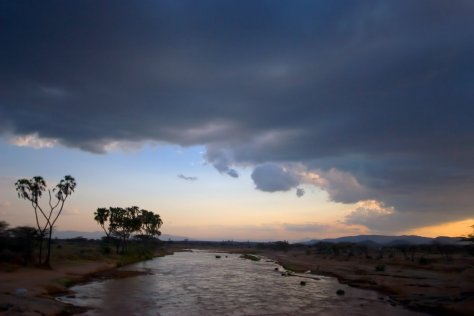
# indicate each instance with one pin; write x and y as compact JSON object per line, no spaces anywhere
{"x":198,"y":283}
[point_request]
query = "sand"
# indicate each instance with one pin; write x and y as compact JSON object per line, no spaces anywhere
{"x":29,"y":291}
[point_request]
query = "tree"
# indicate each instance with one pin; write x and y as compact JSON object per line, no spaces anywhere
{"x":3,"y":234}
{"x":3,"y":227}
{"x":32,"y":191}
{"x":120,"y":224}
{"x":24,"y":238}
{"x":150,"y":223}
{"x":101,"y":216}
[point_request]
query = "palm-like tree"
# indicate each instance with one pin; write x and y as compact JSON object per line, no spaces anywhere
{"x":32,"y":191}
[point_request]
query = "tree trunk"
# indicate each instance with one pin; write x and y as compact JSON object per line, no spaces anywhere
{"x":117,"y":246}
{"x":48,"y":255}
{"x":40,"y":255}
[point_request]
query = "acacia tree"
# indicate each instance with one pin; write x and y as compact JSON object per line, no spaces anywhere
{"x":120,"y":223}
{"x":32,"y":191}
{"x":150,"y":224}
{"x":101,"y":216}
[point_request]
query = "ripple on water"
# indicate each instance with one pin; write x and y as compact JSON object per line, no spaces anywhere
{"x":196,"y":283}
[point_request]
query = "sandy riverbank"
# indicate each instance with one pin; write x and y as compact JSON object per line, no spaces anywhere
{"x":443,"y":289}
{"x":28,"y":291}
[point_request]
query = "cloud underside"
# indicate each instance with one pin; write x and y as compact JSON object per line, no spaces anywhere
{"x":366,"y":100}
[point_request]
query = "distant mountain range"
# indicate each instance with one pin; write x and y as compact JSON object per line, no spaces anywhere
{"x":66,"y":234}
{"x":389,"y":240}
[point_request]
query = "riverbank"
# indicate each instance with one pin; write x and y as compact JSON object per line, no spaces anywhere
{"x":31,"y":291}
{"x":442,"y":289}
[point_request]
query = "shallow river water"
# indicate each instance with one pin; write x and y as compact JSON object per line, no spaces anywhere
{"x":197,"y":283}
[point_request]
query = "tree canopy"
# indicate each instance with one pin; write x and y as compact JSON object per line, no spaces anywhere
{"x":121,"y":223}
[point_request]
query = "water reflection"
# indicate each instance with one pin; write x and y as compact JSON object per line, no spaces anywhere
{"x":197,"y":283}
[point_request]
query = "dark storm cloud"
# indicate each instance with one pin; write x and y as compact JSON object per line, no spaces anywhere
{"x":381,"y":90}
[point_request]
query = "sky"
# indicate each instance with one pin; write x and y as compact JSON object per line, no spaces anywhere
{"x":243,"y":120}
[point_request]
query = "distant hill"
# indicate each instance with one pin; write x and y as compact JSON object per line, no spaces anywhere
{"x":369,"y":240}
{"x":382,"y":240}
{"x":388,"y":240}
{"x":66,"y":234}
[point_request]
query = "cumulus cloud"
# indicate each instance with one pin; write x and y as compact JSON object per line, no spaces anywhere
{"x":187,"y":178}
{"x":369,"y":211}
{"x":221,"y":160}
{"x":272,"y":178}
{"x":341,"y":186}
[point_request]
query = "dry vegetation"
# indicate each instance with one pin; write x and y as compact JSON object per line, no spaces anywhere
{"x":435,"y":278}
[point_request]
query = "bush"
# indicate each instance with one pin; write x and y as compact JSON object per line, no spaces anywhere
{"x":105,"y":250}
{"x":424,"y":261}
{"x":380,"y":268}
{"x":250,"y":257}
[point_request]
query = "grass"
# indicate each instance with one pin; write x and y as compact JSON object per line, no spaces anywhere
{"x":250,"y":257}
{"x":65,"y":250}
{"x":132,"y":257}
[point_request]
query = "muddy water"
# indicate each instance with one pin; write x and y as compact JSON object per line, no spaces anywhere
{"x":197,"y":283}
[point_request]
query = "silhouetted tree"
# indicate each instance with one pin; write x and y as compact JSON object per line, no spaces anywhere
{"x":23,"y":240}
{"x":3,"y":234}
{"x":470,"y":237}
{"x":150,"y":223}
{"x":32,"y":190}
{"x":3,"y":227}
{"x":281,"y":245}
{"x":101,"y":216}
{"x":120,"y":223}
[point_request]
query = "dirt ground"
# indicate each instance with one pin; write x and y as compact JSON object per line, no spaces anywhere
{"x":28,"y":291}
{"x":442,"y":288}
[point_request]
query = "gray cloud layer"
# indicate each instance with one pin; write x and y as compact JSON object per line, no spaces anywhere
{"x":380,"y":90}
